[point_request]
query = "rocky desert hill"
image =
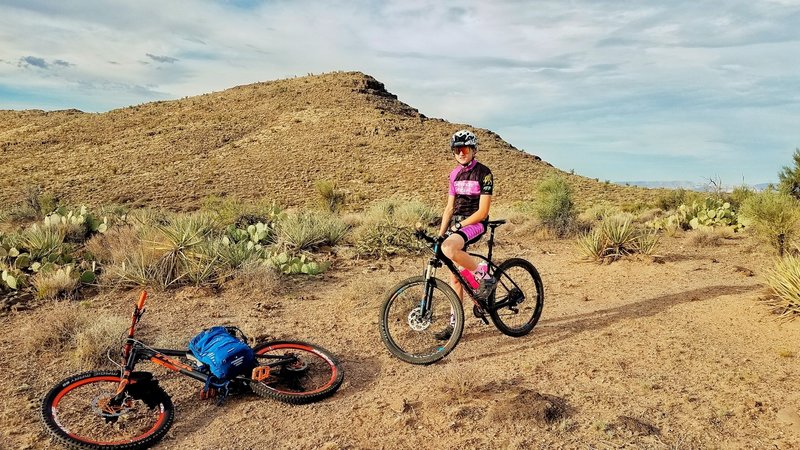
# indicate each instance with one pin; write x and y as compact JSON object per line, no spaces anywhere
{"x":265,"y":140}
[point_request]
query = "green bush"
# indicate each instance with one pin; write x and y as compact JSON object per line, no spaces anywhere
{"x":774,"y":216}
{"x":554,"y":206}
{"x":739,"y":195}
{"x":789,"y":177}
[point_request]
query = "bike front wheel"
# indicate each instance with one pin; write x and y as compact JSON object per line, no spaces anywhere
{"x":518,"y":300}
{"x":80,"y":412}
{"x":416,"y":336}
{"x":299,"y":372}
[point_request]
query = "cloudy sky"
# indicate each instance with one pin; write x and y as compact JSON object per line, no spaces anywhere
{"x":618,"y":90}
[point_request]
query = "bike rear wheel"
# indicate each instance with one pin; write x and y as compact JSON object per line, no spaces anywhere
{"x":78,"y":413}
{"x":412,"y":336}
{"x":518,"y":300}
{"x":312,"y":375}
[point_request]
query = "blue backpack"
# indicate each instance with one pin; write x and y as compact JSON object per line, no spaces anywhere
{"x":225,"y":354}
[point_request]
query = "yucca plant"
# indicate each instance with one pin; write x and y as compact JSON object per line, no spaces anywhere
{"x":41,"y":242}
{"x":177,"y":243}
{"x":620,"y":235}
{"x":309,"y":229}
{"x":784,"y":280}
{"x":592,"y":245}
{"x":135,"y":270}
{"x":647,"y":241}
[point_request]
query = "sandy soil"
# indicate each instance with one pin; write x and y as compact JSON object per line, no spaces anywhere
{"x":672,"y":353}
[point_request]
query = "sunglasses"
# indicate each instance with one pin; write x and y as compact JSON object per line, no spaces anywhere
{"x":461,"y":150}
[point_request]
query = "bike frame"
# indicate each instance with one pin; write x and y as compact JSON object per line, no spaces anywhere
{"x":135,"y":351}
{"x":440,"y":259}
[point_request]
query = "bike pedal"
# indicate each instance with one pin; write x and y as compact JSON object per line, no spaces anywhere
{"x":260,"y":373}
{"x":209,"y":393}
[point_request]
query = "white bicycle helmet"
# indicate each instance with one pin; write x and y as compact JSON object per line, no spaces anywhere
{"x":464,"y":138}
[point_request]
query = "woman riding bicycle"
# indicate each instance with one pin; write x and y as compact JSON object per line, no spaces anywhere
{"x":464,"y":218}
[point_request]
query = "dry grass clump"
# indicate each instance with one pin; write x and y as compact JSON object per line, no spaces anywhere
{"x":784,"y":280}
{"x":55,"y":283}
{"x":257,"y":277}
{"x":94,"y":340}
{"x":85,"y":336}
{"x":115,"y":245}
{"x":710,"y":237}
{"x":56,"y":330}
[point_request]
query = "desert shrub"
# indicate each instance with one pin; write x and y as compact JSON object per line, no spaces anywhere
{"x":94,"y":340}
{"x":307,"y":230}
{"x":616,"y":237}
{"x":672,"y":199}
{"x":784,"y":280}
{"x":599,"y":212}
{"x":255,"y":276}
{"x":60,"y":282}
{"x":774,"y":217}
{"x":137,"y":269}
{"x":554,"y":206}
{"x":39,"y":201}
{"x":388,"y":228}
{"x":789,"y":177}
{"x":739,"y":195}
{"x":331,"y":198}
{"x":226,"y":211}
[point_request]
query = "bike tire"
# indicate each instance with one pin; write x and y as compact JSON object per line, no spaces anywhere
{"x":397,"y":330}
{"x":317,"y":375}
{"x":104,"y":383}
{"x":517,"y":303}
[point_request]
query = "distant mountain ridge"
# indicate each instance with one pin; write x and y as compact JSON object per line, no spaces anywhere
{"x":689,"y":185}
{"x":272,"y":140}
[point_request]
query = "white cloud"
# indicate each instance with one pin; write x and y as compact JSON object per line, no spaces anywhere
{"x":675,"y":76}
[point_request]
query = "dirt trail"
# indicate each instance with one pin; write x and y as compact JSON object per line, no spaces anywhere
{"x":636,"y":354}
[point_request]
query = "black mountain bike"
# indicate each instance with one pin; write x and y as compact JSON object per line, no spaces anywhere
{"x":126,"y":409}
{"x":419,"y":308}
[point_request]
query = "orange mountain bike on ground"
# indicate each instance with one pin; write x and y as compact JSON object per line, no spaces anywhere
{"x":127,"y":409}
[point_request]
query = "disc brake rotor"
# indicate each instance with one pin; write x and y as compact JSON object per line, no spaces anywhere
{"x":417,"y":321}
{"x":103,"y":407}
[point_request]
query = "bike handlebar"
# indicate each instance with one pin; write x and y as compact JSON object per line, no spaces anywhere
{"x":430,"y":239}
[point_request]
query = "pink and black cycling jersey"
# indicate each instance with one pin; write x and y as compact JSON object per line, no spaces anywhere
{"x":467,"y":184}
